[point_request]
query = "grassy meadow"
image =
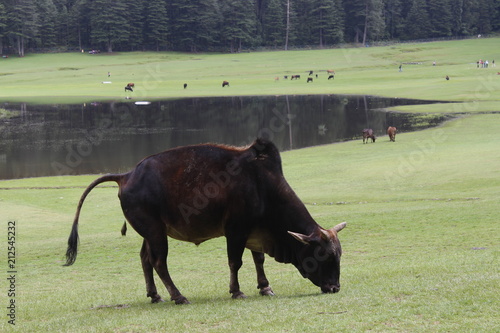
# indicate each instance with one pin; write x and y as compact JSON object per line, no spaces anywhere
{"x":421,"y":246}
{"x":78,"y":77}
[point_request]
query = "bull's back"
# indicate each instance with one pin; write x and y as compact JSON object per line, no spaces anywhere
{"x":194,"y":190}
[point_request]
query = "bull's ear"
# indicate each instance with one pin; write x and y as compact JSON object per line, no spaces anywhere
{"x":339,"y":226}
{"x":300,"y":237}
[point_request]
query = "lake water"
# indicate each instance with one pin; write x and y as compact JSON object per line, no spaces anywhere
{"x":49,"y":140}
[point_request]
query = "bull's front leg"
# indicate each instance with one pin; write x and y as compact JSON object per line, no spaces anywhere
{"x":262,"y":282}
{"x":235,"y":248}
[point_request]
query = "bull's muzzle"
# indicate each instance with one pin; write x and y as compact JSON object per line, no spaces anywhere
{"x":330,"y":288}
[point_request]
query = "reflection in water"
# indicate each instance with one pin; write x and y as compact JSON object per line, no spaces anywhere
{"x":45,"y":140}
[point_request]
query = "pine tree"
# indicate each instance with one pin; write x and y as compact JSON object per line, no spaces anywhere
{"x":194,"y":24}
{"x":79,"y":27}
{"x":274,"y":23}
{"x":47,"y":17}
{"x":136,"y":22}
{"x":441,"y":23}
{"x":328,"y":27}
{"x":239,"y":23}
{"x":22,"y":23}
{"x":156,"y":23}
{"x":394,"y":19}
{"x":355,"y":17}
{"x":417,"y":22}
{"x":108,"y":22}
{"x":3,"y":25}
{"x":374,"y":21}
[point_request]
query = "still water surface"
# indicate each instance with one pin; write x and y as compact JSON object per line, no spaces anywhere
{"x":49,"y":140}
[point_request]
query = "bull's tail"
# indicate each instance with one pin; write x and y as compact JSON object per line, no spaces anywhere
{"x":72,"y":250}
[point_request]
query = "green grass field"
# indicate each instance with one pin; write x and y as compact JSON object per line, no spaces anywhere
{"x":77,"y":77}
{"x":421,"y":248}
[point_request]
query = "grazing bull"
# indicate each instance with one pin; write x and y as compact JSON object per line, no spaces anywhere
{"x":368,"y":134}
{"x":309,"y":79}
{"x":391,"y":131}
{"x":331,"y":77}
{"x":225,"y":83}
{"x":296,"y":77}
{"x":196,"y":193}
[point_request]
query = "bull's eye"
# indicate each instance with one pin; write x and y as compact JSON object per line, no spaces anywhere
{"x":321,"y":254}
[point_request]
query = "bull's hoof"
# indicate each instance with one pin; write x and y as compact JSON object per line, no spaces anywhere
{"x":181,"y":300}
{"x":156,"y":299}
{"x":238,"y":295}
{"x":267,"y":291}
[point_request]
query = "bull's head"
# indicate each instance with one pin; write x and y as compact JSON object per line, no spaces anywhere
{"x":319,"y":261}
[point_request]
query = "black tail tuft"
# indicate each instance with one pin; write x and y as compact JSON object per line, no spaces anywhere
{"x":72,"y":250}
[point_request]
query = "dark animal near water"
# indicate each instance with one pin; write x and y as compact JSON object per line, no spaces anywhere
{"x":225,"y":83}
{"x":129,"y":88}
{"x":391,"y":131}
{"x":196,"y":193}
{"x":309,"y":79}
{"x":368,"y":134}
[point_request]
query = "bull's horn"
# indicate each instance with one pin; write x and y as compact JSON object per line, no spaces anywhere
{"x":325,"y":235}
{"x":339,"y":226}
{"x":300,"y":237}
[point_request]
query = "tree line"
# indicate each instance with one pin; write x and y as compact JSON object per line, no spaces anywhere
{"x":233,"y":25}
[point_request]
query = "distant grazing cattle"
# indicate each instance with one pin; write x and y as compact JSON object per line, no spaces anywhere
{"x":391,"y":131}
{"x":368,"y":134}
{"x":185,"y":85}
{"x":131,"y":84}
{"x":129,"y":88}
{"x":447,"y":77}
{"x":309,"y":79}
{"x":196,"y":193}
{"x":225,"y":83}
{"x":311,"y":72}
{"x":296,"y":77}
{"x":330,"y":71}
{"x":331,"y":77}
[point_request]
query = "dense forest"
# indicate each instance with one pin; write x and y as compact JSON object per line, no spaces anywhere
{"x":233,"y":25}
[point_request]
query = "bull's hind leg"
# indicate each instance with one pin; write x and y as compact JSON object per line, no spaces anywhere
{"x":157,"y":249}
{"x":153,"y":253}
{"x":262,"y":282}
{"x":148,"y":275}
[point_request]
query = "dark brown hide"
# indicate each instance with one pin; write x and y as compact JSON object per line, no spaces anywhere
{"x":196,"y":193}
